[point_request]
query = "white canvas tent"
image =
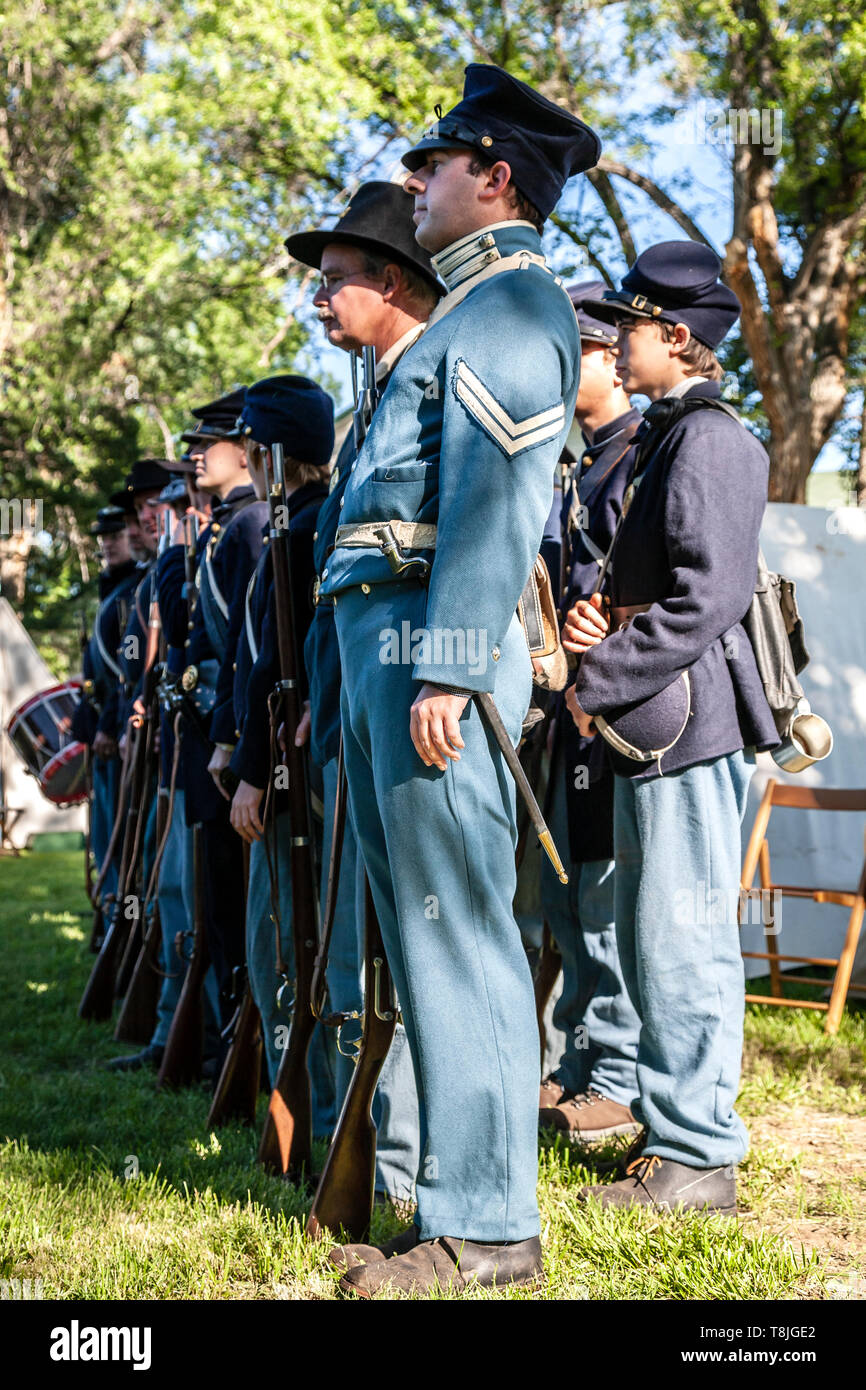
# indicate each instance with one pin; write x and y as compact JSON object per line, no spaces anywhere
{"x":22,"y":674}
{"x":824,"y":552}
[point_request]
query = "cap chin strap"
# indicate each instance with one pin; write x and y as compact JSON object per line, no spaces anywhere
{"x":650,"y":755}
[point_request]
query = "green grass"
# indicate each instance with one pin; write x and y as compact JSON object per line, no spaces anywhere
{"x":111,"y":1190}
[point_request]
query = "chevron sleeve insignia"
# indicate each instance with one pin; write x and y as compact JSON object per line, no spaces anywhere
{"x":512,"y":436}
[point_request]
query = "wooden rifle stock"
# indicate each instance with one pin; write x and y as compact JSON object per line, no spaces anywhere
{"x":287,"y":1139}
{"x":134,"y":934}
{"x":344,"y":1197}
{"x":546,"y":975}
{"x":137,"y":1018}
{"x":237,"y":1089}
{"x":182,"y":1059}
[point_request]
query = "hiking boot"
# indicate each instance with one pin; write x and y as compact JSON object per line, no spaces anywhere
{"x":591,"y":1116}
{"x":150,"y":1056}
{"x":550,"y":1093}
{"x":350,"y":1256}
{"x":450,"y":1263}
{"x":661,"y":1183}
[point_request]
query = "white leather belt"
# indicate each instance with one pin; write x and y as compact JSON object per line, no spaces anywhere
{"x":409,"y":535}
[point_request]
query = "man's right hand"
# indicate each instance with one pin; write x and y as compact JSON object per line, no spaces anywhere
{"x":585,"y":625}
{"x":244,"y":814}
{"x":104,"y":746}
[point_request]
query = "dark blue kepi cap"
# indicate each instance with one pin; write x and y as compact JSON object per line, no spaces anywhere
{"x":109,"y":520}
{"x":218,"y":419}
{"x":503,"y":118}
{"x":645,"y":731}
{"x":292,"y":411}
{"x":592,"y":330}
{"x":146,"y":475}
{"x":677,"y":281}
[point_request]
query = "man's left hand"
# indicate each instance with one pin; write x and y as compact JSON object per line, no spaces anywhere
{"x":434,"y":726}
{"x":586,"y":727}
{"x":220,"y":758}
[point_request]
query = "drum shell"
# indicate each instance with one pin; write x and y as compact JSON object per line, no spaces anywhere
{"x":41,"y":726}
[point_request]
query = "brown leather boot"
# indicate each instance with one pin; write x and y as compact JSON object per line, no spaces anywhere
{"x":449,"y":1264}
{"x":550,"y":1093}
{"x":590,"y":1116}
{"x":351,"y":1256}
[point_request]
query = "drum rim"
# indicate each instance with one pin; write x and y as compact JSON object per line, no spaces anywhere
{"x":18,"y":713}
{"x":57,"y":759}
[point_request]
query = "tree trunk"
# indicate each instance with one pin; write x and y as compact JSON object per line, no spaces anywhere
{"x":14,"y":551}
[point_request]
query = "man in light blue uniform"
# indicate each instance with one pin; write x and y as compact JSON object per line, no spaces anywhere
{"x":377,"y":289}
{"x":459,"y":464}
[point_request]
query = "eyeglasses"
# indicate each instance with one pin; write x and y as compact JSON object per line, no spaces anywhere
{"x":329,"y":284}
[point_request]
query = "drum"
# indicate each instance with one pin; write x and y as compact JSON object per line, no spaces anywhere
{"x":40,"y":731}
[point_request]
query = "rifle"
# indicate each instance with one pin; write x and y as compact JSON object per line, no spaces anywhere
{"x":138,"y":1014}
{"x":546,"y":974}
{"x":83,"y":642}
{"x":344,"y":1197}
{"x":97,"y":1000}
{"x":237,"y":1089}
{"x":182,"y":1059}
{"x":287,"y":1138}
{"x":100,"y":904}
{"x":183,"y":1055}
{"x":155,"y":664}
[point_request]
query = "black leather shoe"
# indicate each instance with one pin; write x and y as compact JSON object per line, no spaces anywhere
{"x":651,"y":1181}
{"x":150,"y":1056}
{"x":449,"y":1263}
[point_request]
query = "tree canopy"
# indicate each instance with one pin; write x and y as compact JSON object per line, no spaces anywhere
{"x":154,"y":155}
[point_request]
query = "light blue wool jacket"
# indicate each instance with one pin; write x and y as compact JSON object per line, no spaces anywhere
{"x":467,"y":436}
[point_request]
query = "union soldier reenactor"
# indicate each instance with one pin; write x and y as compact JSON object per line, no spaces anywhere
{"x":377,"y":289}
{"x":295,"y":412}
{"x":589,"y":1094}
{"x":458,"y":468}
{"x":228,"y":548}
{"x":95,"y":719}
{"x":675,"y":688}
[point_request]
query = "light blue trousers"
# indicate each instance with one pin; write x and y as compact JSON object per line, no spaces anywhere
{"x":106,"y":777}
{"x":439,"y":849}
{"x":594,"y":1012}
{"x":265,"y":983}
{"x":395,"y":1107}
{"x":677,"y":844}
{"x":176,"y":896}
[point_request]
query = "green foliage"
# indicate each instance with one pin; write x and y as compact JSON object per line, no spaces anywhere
{"x":154,"y":156}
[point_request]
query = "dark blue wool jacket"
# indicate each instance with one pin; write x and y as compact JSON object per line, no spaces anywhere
{"x":689,"y":548}
{"x":257,"y":675}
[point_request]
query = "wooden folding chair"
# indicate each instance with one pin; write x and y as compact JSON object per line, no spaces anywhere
{"x":758,"y":856}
